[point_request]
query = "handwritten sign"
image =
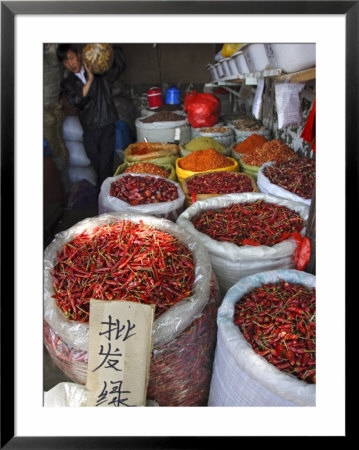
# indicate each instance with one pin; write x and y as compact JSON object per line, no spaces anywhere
{"x":120,"y":345}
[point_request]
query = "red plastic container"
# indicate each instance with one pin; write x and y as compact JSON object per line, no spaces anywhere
{"x":154,"y":96}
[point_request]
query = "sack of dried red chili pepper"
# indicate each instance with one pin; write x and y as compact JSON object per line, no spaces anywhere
{"x":185,"y":327}
{"x":246,"y":233}
{"x":265,"y":353}
{"x":142,"y":194}
{"x":293,"y":180}
{"x":212,"y":184}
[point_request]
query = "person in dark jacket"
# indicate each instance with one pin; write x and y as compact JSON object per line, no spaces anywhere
{"x":91,"y":95}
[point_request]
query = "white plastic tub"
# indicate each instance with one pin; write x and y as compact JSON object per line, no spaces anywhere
{"x":213,"y":72}
{"x":219,"y":69}
{"x":256,"y":57}
{"x":225,"y":67}
{"x":240,"y":62}
{"x":291,"y":57}
{"x":233,"y":67}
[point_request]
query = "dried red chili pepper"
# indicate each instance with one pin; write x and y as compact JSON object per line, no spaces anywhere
{"x":122,"y":261}
{"x":139,"y":190}
{"x":257,"y":223}
{"x":296,"y":176}
{"x":220,"y":183}
{"x":290,"y":341}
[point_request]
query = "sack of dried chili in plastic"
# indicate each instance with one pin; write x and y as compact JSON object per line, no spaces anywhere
{"x":189,"y":324}
{"x":141,"y":194}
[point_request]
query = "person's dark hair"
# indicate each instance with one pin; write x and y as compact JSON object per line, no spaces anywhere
{"x":62,"y":50}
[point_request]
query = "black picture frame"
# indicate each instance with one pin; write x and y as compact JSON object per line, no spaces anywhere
{"x":9,"y":9}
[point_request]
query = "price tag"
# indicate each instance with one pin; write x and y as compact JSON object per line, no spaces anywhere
{"x":177,"y":134}
{"x":119,"y":353}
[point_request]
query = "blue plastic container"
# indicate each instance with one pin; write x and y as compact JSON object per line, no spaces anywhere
{"x":123,"y":135}
{"x":172,"y":96}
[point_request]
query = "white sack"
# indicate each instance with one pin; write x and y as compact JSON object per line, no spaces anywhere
{"x":77,"y":154}
{"x":72,"y":129}
{"x":82,"y":173}
{"x":66,"y":394}
{"x":231,"y":262}
{"x":108,"y":203}
{"x":73,"y":395}
{"x":265,"y":185}
{"x":166,"y":327}
{"x":241,"y":377}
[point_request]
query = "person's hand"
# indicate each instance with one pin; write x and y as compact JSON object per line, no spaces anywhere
{"x":90,"y":75}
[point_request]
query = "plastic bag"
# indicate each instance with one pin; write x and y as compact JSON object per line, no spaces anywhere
{"x":66,"y":394}
{"x":167,"y":210}
{"x":265,"y":185}
{"x":229,"y":49}
{"x":240,"y":376}
{"x":180,"y":370}
{"x":231,"y":262}
{"x":166,"y":327}
{"x":71,"y":394}
{"x":202,"y":109}
{"x":184,"y":336}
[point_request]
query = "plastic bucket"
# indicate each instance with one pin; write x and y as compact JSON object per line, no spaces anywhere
{"x":154,"y":96}
{"x":172,"y":96}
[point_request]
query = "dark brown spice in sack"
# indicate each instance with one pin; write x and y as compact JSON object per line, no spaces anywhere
{"x":163,"y":116}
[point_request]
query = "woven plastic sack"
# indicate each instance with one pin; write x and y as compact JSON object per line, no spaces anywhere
{"x":183,"y":174}
{"x":157,"y":153}
{"x":98,"y":57}
{"x":169,"y":167}
{"x":223,"y":135}
{"x":202,"y":109}
{"x":266,"y":186}
{"x":77,"y":154}
{"x":183,"y":334}
{"x":72,"y":129}
{"x":77,"y":174}
{"x":66,"y":394}
{"x":241,"y":377}
{"x":71,"y":394}
{"x":167,"y":210}
{"x":231,"y":262}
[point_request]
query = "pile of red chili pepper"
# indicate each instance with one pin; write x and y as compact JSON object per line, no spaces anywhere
{"x":149,"y":168}
{"x":296,"y":176}
{"x":140,"y":190}
{"x":274,"y":150}
{"x":220,"y":183}
{"x":122,"y":261}
{"x":256,"y":223}
{"x":278,"y":320}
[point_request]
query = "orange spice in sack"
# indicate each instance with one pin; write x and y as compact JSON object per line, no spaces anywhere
{"x":249,"y":144}
{"x":202,"y":160}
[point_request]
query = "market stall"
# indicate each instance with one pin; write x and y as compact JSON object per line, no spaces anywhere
{"x":207,"y":223}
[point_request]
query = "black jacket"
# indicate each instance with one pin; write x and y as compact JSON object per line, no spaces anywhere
{"x":97,"y":109}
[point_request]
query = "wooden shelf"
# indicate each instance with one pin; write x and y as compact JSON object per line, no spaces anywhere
{"x":298,"y":77}
{"x":277,"y":74}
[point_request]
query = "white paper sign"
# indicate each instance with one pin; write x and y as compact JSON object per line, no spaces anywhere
{"x":120,"y":345}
